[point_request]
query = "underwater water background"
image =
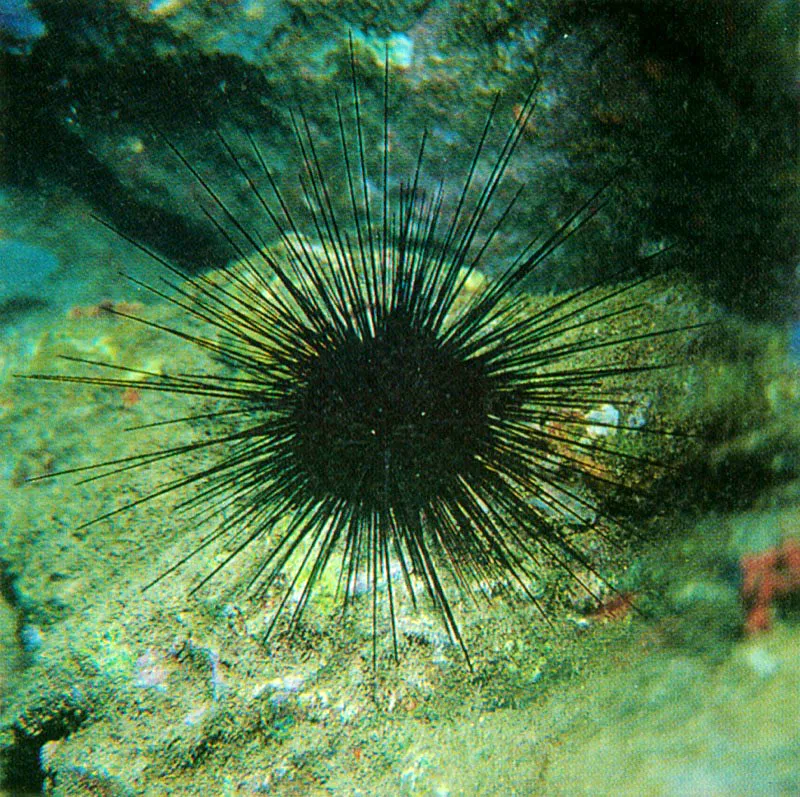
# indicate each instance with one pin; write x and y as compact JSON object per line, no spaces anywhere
{"x":692,"y":686}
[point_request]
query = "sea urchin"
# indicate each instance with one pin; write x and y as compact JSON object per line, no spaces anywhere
{"x":380,"y":414}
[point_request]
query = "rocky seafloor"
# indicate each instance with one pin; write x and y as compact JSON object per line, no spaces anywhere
{"x":691,"y":688}
{"x":109,"y":688}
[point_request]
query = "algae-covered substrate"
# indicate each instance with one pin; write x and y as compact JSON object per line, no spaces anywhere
{"x":109,"y":689}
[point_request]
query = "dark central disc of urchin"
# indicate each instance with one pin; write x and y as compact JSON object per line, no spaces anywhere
{"x":386,"y":415}
{"x":391,"y":422}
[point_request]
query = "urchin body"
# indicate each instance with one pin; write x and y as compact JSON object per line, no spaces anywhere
{"x":391,"y":420}
{"x":382,"y":412}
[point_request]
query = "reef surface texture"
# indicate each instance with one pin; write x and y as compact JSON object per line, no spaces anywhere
{"x":685,"y":682}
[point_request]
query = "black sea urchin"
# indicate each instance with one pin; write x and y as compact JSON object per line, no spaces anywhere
{"x":397,"y":424}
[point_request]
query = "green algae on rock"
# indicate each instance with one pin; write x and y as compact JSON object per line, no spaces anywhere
{"x":129,"y":693}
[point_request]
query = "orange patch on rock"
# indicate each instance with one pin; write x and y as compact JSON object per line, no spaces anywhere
{"x":765,"y":577}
